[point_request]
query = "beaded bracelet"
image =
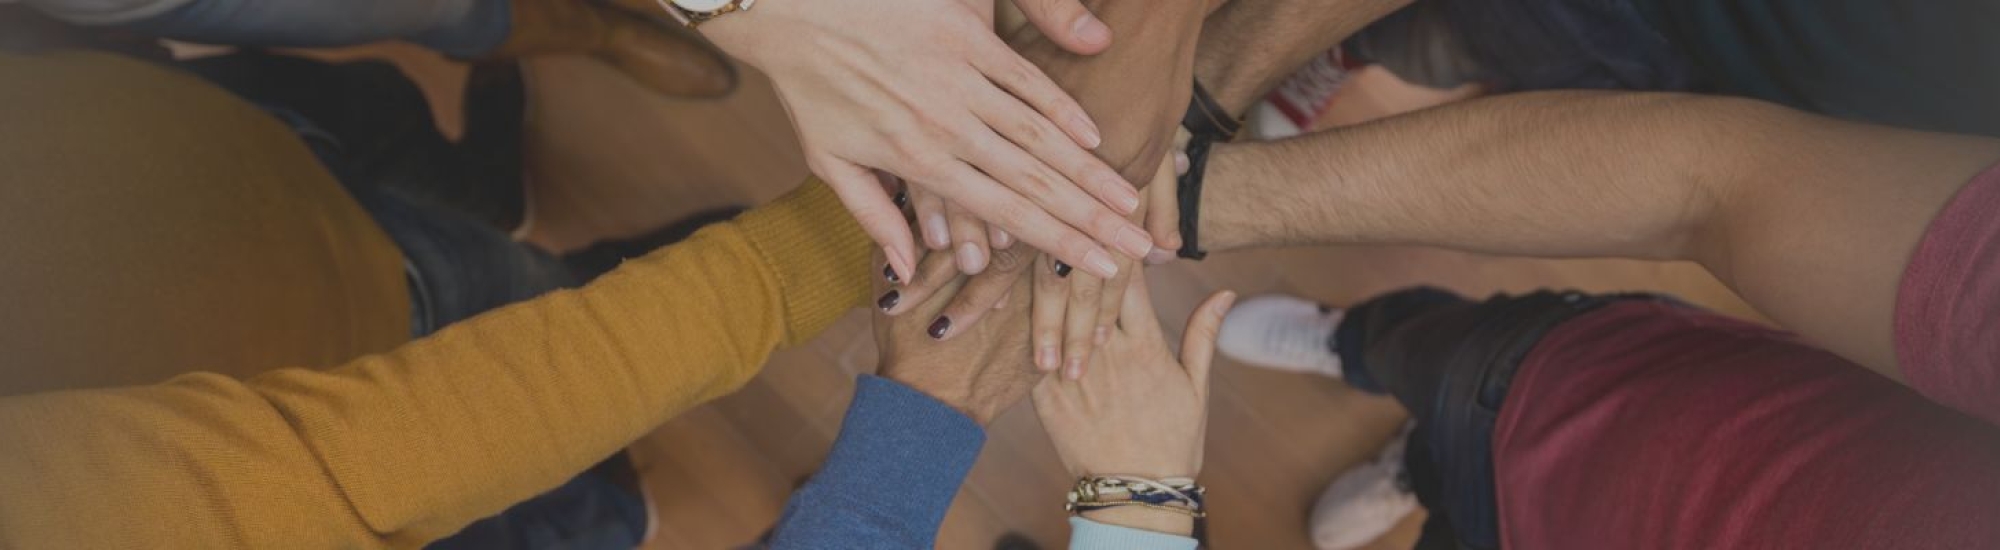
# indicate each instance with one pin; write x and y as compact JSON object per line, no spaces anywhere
{"x":1180,"y":495}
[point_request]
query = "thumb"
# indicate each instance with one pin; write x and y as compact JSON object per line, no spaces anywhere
{"x":1067,"y":23}
{"x":1198,"y":344}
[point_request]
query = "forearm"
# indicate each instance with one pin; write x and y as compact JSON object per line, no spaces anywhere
{"x":900,"y":459}
{"x":407,"y":446}
{"x":1811,"y":220}
{"x":1249,"y":46}
{"x":1159,"y":30}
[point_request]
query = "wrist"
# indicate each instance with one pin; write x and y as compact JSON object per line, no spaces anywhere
{"x":1225,"y":213}
{"x":741,"y":34}
{"x":1148,"y":519}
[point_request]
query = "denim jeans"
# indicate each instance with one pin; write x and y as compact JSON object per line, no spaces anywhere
{"x":1449,"y":361}
{"x":458,"y":266}
{"x":458,"y":28}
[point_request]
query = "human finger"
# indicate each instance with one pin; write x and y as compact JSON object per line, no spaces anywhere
{"x":1051,"y":298}
{"x":983,"y":293}
{"x":934,"y":273}
{"x":931,"y":221}
{"x":1024,"y":219}
{"x":1198,"y":344}
{"x":1055,"y":194}
{"x":1026,"y":129}
{"x":1081,"y":333}
{"x":1004,"y":67}
{"x":873,"y":210}
{"x":969,"y":240}
{"x":1068,"y":24}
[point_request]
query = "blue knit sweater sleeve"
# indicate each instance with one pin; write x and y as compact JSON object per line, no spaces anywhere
{"x":898,"y":462}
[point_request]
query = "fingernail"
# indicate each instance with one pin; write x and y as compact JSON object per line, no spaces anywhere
{"x":1046,"y":359}
{"x":1099,"y":263}
{"x":902,"y":199}
{"x":889,"y":301}
{"x":1127,"y":199}
{"x":1087,"y":29}
{"x":898,"y":257}
{"x":1086,"y":132}
{"x":971,"y":260}
{"x":1159,"y":256}
{"x":936,"y":232}
{"x":1075,"y":369}
{"x":889,"y":274}
{"x":1181,"y":163}
{"x":1102,"y":335}
{"x":1133,"y":242}
{"x":1062,"y":269}
{"x":939,"y":327}
{"x":1002,"y":239}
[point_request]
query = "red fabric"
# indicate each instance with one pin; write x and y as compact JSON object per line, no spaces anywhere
{"x":1658,"y":427}
{"x":1948,"y":310}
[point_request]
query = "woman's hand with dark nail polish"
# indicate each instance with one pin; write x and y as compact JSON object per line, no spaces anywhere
{"x":888,"y":301}
{"x":939,"y":328}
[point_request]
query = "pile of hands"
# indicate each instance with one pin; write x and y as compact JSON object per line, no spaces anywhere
{"x":1142,"y":410}
{"x":1012,"y":230}
{"x":922,"y":110}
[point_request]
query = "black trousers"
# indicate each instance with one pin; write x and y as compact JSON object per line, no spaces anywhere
{"x":1450,"y":361}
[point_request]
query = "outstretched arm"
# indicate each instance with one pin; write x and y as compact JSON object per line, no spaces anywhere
{"x":1810,"y":219}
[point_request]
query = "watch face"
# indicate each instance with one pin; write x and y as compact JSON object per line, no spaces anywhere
{"x":701,"y":6}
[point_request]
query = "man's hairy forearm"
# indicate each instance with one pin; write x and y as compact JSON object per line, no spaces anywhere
{"x":1810,"y":219}
{"x":1493,"y":175}
{"x":1248,"y":46}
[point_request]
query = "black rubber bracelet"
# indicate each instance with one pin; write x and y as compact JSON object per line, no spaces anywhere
{"x":1188,"y":191}
{"x":1207,"y":117}
{"x":1206,"y":122}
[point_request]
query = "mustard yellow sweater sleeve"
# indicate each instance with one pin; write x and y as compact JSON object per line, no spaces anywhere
{"x":397,"y":449}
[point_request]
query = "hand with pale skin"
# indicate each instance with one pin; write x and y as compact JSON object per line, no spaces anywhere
{"x":1140,"y":89}
{"x":927,"y":91}
{"x":1141,"y":412}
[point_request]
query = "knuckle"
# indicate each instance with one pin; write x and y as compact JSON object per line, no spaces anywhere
{"x":1085,"y":293}
{"x":1006,"y":260}
{"x":1029,"y":129}
{"x":1039,"y":182}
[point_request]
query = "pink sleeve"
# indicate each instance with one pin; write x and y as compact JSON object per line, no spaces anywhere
{"x":1948,"y":309}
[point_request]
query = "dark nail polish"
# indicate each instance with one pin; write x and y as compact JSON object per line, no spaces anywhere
{"x":1062,"y":269}
{"x":939,"y":327}
{"x":889,"y":273}
{"x":889,"y":301}
{"x":902,"y":199}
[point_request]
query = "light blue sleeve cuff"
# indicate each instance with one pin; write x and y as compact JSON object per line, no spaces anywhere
{"x":1090,"y":535}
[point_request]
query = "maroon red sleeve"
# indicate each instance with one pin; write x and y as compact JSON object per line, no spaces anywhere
{"x":1948,"y":309}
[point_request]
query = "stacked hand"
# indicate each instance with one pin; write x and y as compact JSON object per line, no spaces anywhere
{"x":980,"y":373}
{"x":1141,"y":412}
{"x":928,"y":92}
{"x":1141,"y":93}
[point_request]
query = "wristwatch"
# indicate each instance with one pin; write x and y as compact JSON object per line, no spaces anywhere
{"x":696,"y":12}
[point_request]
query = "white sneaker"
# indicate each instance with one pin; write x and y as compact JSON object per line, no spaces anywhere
{"x":1282,"y":333}
{"x":1364,"y":503}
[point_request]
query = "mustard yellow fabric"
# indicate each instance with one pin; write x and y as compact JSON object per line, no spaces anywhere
{"x":389,"y":449}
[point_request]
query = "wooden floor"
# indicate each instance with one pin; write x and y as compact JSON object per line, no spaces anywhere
{"x":608,"y":159}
